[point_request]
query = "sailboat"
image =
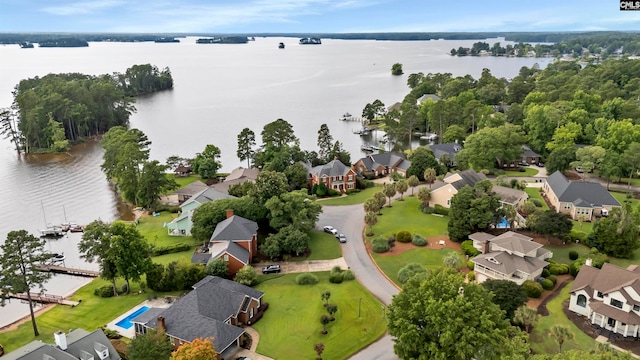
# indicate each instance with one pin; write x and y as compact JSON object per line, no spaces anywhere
{"x":50,"y":231}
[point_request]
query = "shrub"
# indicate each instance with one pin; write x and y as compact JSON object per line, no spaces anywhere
{"x":332,"y":192}
{"x":104,"y":291}
{"x":467,"y":247}
{"x":426,"y":209}
{"x":522,"y":169}
{"x":532,"y":288}
{"x":545,"y":272}
{"x":553,"y":278}
{"x":577,"y":235}
{"x":336,"y":270}
{"x":471,"y":276}
{"x":441,"y":210}
{"x":246,"y":276}
{"x":306,"y":279}
{"x":352,"y":191}
{"x":573,"y":255}
{"x":348,"y":275}
{"x":537,"y":202}
{"x":409,"y":271}
{"x":379,"y":245}
{"x":470,"y":264}
{"x":336,"y":278}
{"x":163,"y":250}
{"x":418,"y":240}
{"x":169,"y":208}
{"x":558,"y":269}
{"x":403,"y":236}
{"x":547,"y":284}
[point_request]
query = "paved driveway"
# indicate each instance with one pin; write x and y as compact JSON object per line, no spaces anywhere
{"x":349,"y":220}
{"x":305,"y":266}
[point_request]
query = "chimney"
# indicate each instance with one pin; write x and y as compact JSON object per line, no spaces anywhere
{"x":61,"y":339}
{"x":161,"y":325}
{"x":229,"y":213}
{"x":486,"y":247}
{"x":588,"y":262}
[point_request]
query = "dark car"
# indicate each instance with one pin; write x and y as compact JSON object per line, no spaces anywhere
{"x":271,"y":269}
{"x":540,"y":164}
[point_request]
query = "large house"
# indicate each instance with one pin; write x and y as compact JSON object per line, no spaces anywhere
{"x":78,"y":344}
{"x":584,"y":199}
{"x":446,"y":151}
{"x":188,"y":191}
{"x":334,"y":174}
{"x":237,"y":176}
{"x":216,"y":308}
{"x":510,"y":256}
{"x":608,"y":297}
{"x":528,"y":156}
{"x":443,"y":191}
{"x":234,"y":240}
{"x":382,"y":164}
{"x":181,"y":226}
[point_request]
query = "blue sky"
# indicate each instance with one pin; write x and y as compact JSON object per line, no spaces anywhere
{"x":244,"y":16}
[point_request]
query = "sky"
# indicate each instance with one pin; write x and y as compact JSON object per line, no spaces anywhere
{"x":317,"y":16}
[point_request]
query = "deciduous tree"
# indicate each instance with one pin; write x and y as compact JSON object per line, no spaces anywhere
{"x":22,"y":254}
{"x":508,"y":295}
{"x":198,"y":349}
{"x":401,"y":187}
{"x":246,"y":276}
{"x":389,"y":190}
{"x":550,"y":223}
{"x":617,"y":234}
{"x":153,"y":183}
{"x":421,"y":159}
{"x":129,"y":251}
{"x":207,"y":163}
{"x":472,"y":209}
{"x":153,"y":345}
{"x":294,"y":208}
{"x":95,"y":246}
{"x":413,"y":181}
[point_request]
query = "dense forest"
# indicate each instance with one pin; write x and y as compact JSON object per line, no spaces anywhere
{"x":551,"y":110}
{"x":598,"y":45}
{"x":53,"y":111}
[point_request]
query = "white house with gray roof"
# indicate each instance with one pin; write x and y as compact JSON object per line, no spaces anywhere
{"x":181,"y":226}
{"x":578,"y":198}
{"x":78,"y":344}
{"x":215,"y":308}
{"x":510,"y":256}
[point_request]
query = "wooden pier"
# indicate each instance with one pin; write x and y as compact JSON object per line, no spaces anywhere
{"x":45,"y":299}
{"x":69,"y":271}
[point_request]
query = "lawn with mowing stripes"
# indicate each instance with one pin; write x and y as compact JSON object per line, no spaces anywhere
{"x":291,"y":326}
{"x":534,"y":193}
{"x":355,"y":198}
{"x":428,"y":258}
{"x":405,"y":215}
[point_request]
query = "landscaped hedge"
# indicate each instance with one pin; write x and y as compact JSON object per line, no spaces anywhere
{"x":467,"y":247}
{"x":418,"y":240}
{"x":577,"y":235}
{"x":348,"y":275}
{"x":162,"y":250}
{"x":532,"y":288}
{"x":104,"y":291}
{"x":558,"y":269}
{"x":553,"y":278}
{"x":547,"y":284}
{"x":471,"y":265}
{"x":403,"y":236}
{"x":379,"y":245}
{"x":573,"y":255}
{"x":336,"y":278}
{"x":441,"y":210}
{"x":471,"y":276}
{"x":306,"y":279}
{"x":545,"y":273}
{"x":537,"y":202}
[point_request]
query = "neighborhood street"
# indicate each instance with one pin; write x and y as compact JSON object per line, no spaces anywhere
{"x":349,"y":220}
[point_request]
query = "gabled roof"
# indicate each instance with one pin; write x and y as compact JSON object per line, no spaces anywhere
{"x":514,"y":242}
{"x":504,"y":263}
{"x":202,"y":312}
{"x":36,"y":350}
{"x":608,"y":279}
{"x":581,"y":193}
{"x":426,"y":97}
{"x":206,"y":195}
{"x":332,"y":168}
{"x":630,"y":318}
{"x":528,"y":152}
{"x":451,"y":149}
{"x":182,"y":169}
{"x":387,"y":159}
{"x":78,"y":340}
{"x":509,"y":195}
{"x":481,"y":236}
{"x":235,"y":228}
{"x":239,"y":173}
{"x":235,"y":250}
{"x":469,"y":177}
{"x":191,"y":189}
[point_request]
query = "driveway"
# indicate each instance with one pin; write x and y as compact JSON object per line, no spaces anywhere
{"x":349,"y":220}
{"x":305,"y":266}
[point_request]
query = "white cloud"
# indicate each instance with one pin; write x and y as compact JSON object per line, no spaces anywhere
{"x":85,"y":7}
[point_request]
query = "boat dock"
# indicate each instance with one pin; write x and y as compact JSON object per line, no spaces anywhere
{"x":45,"y":299}
{"x":69,"y":271}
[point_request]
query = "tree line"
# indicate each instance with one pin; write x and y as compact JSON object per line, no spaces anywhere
{"x":51,"y":112}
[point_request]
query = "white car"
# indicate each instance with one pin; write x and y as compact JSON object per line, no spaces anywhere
{"x":331,"y":230}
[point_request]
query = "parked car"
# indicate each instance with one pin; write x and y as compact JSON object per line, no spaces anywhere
{"x":579,"y":169}
{"x":330,"y":230}
{"x":341,"y":238}
{"x":271,"y":269}
{"x":524,"y":163}
{"x":540,"y":164}
{"x":244,"y":357}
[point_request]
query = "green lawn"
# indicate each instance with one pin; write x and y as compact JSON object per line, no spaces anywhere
{"x":156,"y":234}
{"x":290,"y":327}
{"x":92,"y":313}
{"x":183,"y":181}
{"x":323,"y":247}
{"x":534,"y":193}
{"x":561,"y":253}
{"x":622,"y":197}
{"x":355,"y":198}
{"x":169,"y":258}
{"x":405,"y":215}
{"x":528,"y":172}
{"x":586,"y":226}
{"x":543,"y":343}
{"x":428,"y":258}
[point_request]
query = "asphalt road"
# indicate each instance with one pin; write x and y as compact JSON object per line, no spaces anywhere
{"x":349,"y":220}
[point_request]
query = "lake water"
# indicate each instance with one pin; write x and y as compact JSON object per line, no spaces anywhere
{"x":219,"y":90}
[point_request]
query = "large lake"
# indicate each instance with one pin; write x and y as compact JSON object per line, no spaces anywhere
{"x":219,"y":90}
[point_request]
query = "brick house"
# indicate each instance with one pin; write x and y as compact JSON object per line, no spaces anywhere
{"x":334,"y":174}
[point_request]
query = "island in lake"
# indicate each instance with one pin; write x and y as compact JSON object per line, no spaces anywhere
{"x":167,"y":40}
{"x":224,"y":40}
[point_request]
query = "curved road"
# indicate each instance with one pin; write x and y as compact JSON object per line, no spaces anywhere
{"x":349,"y":220}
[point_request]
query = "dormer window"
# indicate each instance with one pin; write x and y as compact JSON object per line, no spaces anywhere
{"x":101,"y":350}
{"x":600,"y":295}
{"x":636,"y":307}
{"x":616,"y":303}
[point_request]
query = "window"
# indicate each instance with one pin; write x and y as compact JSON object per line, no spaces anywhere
{"x":251,"y":313}
{"x":350,"y":177}
{"x":582,"y":300}
{"x":616,"y":303}
{"x":636,"y":307}
{"x":226,"y":257}
{"x":600,"y":295}
{"x":611,"y":322}
{"x":449,"y":202}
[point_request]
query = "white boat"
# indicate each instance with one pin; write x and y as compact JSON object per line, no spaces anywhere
{"x":52,"y":231}
{"x":429,"y":137}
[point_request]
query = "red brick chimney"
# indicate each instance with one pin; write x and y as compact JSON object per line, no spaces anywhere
{"x":161,"y":325}
{"x":229,"y":213}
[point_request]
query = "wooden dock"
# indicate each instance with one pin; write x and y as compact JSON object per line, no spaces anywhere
{"x":69,"y":271}
{"x":45,"y":299}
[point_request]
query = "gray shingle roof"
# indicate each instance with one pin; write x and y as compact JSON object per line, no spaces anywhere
{"x":508,"y":264}
{"x":243,"y":173}
{"x":78,"y":340}
{"x":206,"y":195}
{"x":509,"y":195}
{"x":469,"y":177}
{"x":235,"y":250}
{"x":527,"y":152}
{"x":202,"y":312}
{"x":587,"y":194}
{"x":481,"y":236}
{"x":451,"y":149}
{"x":387,"y":159}
{"x":200,"y":258}
{"x":148,"y":315}
{"x":235,"y":228}
{"x":193,"y":188}
{"x":426,"y":97}
{"x":515,"y":242}
{"x":332,"y":168}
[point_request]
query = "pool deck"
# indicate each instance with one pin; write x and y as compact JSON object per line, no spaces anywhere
{"x":130,"y":333}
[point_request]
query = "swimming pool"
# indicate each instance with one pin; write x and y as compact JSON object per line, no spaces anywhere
{"x":503,"y":224}
{"x":126,"y":322}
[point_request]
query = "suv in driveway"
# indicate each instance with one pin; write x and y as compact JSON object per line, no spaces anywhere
{"x":331,"y":230}
{"x":271,"y":269}
{"x":341,"y":238}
